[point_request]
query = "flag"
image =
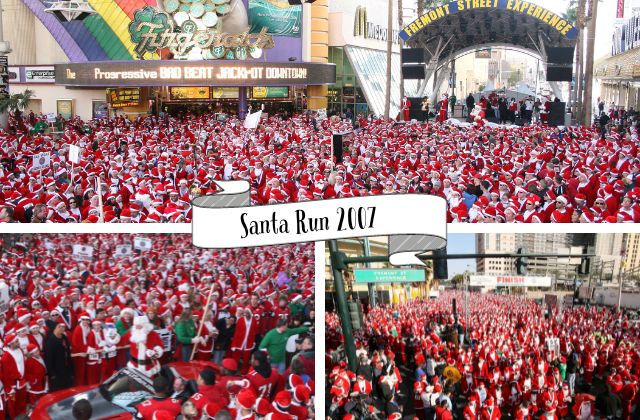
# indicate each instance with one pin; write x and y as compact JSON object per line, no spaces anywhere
{"x":252,"y":120}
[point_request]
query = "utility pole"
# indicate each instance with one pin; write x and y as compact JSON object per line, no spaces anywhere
{"x":4,"y":69}
{"x":622,"y":254}
{"x":579,"y":61}
{"x":588,"y":67}
{"x":341,"y":301}
{"x":366,"y":248}
{"x":400,"y":26}
{"x":387,"y":101}
{"x":466,"y":279}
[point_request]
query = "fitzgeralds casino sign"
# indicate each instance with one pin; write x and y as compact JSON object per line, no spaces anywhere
{"x":191,"y":31}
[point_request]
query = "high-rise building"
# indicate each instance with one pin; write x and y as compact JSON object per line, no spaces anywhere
{"x":562,"y":270}
{"x":631,"y":251}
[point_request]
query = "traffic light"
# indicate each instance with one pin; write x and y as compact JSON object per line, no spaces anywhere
{"x":521,"y":263}
{"x":355,"y":312}
{"x":440,"y":271}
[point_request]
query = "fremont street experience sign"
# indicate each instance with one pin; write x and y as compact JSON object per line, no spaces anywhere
{"x":192,"y":73}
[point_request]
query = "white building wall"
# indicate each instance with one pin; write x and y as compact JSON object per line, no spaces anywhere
{"x":49,"y":52}
{"x":48,"y":94}
{"x":31,"y":43}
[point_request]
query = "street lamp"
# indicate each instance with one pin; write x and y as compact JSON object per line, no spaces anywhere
{"x":68,"y":10}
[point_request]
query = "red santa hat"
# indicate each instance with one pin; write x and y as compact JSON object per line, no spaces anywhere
{"x":246,"y":399}
{"x":10,"y":338}
{"x":282,"y":401}
{"x":302,"y":394}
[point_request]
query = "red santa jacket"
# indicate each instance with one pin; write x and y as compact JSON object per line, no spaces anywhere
{"x":12,"y":370}
{"x":490,"y":413}
{"x":36,"y":375}
{"x":244,"y":338}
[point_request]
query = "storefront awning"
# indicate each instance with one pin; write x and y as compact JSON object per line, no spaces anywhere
{"x":370,"y":66}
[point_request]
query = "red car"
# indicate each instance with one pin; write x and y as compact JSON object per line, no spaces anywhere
{"x":117,"y":397}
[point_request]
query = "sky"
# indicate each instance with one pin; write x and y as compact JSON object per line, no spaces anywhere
{"x":461,"y":243}
{"x":604,"y":26}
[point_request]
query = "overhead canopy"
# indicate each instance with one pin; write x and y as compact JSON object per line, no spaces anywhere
{"x":458,"y":25}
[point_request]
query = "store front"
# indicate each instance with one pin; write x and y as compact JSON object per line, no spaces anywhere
{"x":346,"y":94}
{"x":358,"y":48}
{"x":227,"y":87}
{"x":139,"y":42}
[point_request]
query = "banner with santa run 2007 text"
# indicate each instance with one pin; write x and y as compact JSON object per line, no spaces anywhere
{"x":415,"y":223}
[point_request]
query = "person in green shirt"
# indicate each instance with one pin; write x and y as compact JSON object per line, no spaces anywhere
{"x":274,"y":343}
{"x":186,"y":334}
{"x":126,"y":320}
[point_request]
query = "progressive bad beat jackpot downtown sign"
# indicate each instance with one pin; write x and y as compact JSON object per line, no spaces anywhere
{"x":190,"y":73}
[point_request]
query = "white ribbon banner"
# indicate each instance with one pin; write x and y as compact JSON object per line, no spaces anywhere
{"x":415,"y":223}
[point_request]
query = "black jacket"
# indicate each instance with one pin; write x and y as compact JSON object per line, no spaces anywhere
{"x":225,"y":334}
{"x":57,"y":358}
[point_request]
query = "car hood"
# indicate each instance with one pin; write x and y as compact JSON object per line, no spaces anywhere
{"x":101,"y":408}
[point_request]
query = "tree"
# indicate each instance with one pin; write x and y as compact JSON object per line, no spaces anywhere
{"x":571,"y":14}
{"x":387,"y":101}
{"x":400,"y":26}
{"x":457,"y":280}
{"x":429,"y":4}
{"x":514,"y":77}
{"x":17,"y":102}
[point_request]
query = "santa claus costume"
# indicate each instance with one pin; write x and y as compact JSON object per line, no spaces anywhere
{"x":109,"y":347}
{"x":79,"y":349}
{"x":95,"y":345}
{"x":204,"y":351}
{"x":244,"y":339}
{"x":406,"y":108}
{"x":146,"y":347}
{"x":12,"y":370}
{"x":444,"y":106}
{"x":35,"y":374}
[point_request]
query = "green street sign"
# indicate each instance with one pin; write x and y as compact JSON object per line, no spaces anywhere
{"x":388,"y":276}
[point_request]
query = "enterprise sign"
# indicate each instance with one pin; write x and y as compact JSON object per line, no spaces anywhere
{"x":190,"y":73}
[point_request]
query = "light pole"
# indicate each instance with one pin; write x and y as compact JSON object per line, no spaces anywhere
{"x":466,"y":281}
{"x":5,"y":49}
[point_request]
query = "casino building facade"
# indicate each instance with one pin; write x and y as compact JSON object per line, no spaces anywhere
{"x":136,"y":57}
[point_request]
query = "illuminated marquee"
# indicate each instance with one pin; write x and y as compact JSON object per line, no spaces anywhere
{"x":560,"y":24}
{"x":205,"y":73}
{"x":193,"y":73}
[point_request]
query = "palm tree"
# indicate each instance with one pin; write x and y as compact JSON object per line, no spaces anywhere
{"x":400,"y":26}
{"x":15,"y":103}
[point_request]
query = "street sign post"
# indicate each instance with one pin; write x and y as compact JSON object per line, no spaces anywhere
{"x":372,"y":275}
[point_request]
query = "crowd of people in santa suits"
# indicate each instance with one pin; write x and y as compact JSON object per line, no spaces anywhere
{"x":149,"y":169}
{"x":513,"y":359}
{"x":74,"y":322}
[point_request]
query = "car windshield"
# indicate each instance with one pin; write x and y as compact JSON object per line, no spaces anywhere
{"x":126,"y":389}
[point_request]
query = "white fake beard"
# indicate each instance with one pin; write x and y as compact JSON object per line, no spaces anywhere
{"x":139,"y":335}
